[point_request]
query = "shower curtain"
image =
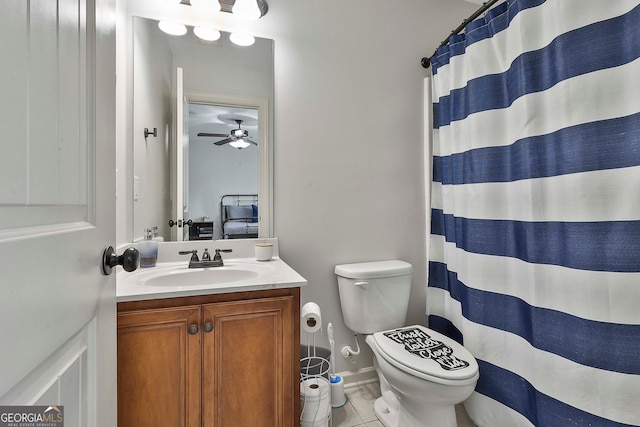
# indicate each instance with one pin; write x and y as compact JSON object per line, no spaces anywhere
{"x":534,"y":258}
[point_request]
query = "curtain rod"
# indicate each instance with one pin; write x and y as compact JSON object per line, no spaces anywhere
{"x":426,"y":61}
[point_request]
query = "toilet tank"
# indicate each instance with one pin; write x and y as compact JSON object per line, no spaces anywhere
{"x":374,"y":295}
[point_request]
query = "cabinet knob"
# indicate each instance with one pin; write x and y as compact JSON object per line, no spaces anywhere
{"x":193,"y":329}
{"x":208,"y":327}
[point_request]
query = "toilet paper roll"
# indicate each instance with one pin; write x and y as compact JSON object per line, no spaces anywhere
{"x":311,"y":317}
{"x":315,"y":397}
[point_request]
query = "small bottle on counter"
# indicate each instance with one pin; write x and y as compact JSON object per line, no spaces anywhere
{"x":156,"y":234}
{"x":148,"y":249}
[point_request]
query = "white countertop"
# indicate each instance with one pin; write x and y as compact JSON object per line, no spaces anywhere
{"x":172,"y":278}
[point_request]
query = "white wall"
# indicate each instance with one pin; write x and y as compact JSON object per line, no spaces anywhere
{"x":349,"y":160}
{"x":349,"y":183}
{"x":152,"y":89}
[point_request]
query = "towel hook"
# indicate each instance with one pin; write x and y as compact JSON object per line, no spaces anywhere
{"x":147,"y":132}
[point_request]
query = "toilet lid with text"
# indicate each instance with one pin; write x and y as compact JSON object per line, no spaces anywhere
{"x":427,"y":351}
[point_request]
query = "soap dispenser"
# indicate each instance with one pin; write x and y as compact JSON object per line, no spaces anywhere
{"x":148,"y":249}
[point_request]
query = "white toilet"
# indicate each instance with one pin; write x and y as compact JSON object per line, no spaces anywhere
{"x":423,"y":374}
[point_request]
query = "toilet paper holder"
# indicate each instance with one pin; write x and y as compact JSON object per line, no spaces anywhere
{"x":311,"y":318}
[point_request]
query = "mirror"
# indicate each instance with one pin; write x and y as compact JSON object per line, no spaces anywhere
{"x":221,"y":83}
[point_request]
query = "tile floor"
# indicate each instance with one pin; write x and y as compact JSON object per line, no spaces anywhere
{"x":358,"y":412}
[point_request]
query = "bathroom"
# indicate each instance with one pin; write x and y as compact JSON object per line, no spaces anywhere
{"x":348,"y":155}
{"x":348,"y":148}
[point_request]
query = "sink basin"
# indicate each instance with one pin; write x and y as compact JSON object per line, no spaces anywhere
{"x":176,"y":279}
{"x":180,"y":276}
{"x":201,"y":276}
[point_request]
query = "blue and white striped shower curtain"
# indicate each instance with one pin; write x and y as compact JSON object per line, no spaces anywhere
{"x":534,"y":258}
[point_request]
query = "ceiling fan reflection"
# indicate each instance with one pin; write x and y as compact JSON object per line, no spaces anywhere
{"x":237,"y":138}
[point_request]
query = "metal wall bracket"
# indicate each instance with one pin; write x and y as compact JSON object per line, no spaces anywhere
{"x":153,"y":133}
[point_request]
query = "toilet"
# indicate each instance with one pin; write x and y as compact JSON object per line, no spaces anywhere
{"x":423,"y":374}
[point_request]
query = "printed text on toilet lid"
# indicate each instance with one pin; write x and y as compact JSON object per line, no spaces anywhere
{"x":419,"y":343}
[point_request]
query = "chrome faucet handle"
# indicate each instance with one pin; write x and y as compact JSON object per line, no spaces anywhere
{"x":206,"y":256}
{"x":218,"y":257}
{"x":194,"y":255}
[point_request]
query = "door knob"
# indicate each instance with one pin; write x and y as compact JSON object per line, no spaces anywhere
{"x":180,"y":223}
{"x":193,"y":329}
{"x":128,"y":260}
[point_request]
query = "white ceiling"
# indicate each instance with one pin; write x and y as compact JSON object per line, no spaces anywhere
{"x":220,"y":119}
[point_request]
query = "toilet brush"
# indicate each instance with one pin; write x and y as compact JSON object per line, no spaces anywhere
{"x":338,"y":399}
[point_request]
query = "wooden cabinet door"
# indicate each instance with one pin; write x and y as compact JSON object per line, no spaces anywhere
{"x":248,"y":366}
{"x":159,"y":368}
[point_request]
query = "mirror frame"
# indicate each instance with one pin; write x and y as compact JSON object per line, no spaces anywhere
{"x":265,"y":153}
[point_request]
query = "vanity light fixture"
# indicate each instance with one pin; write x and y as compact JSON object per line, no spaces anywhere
{"x":206,"y":5}
{"x":172,"y":28}
{"x":206,"y":33}
{"x":246,"y":10}
{"x":242,"y":39}
{"x":228,"y":6}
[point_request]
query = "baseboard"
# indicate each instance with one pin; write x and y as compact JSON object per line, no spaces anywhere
{"x":359,"y":377}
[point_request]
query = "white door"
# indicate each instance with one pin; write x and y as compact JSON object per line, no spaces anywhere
{"x":180,"y":168}
{"x":57,"y":207}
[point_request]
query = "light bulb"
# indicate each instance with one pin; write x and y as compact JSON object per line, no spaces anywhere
{"x":207,"y":33}
{"x":206,"y":5}
{"x":242,"y":39}
{"x":247,"y":10}
{"x":173,"y":28}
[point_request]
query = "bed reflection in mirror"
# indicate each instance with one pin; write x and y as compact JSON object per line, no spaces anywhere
{"x":239,"y":216}
{"x":238,"y":219}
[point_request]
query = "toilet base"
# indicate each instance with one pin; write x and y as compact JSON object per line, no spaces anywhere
{"x":388,"y":416}
{"x":435,"y":417}
{"x":397,"y":416}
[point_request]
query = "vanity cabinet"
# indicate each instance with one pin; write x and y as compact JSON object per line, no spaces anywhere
{"x":226,"y":360}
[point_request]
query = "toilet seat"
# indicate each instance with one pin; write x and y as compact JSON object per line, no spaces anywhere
{"x":427,"y":354}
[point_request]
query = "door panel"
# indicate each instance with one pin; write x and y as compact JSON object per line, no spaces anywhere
{"x":57,"y":188}
{"x":13,"y":103}
{"x":62,"y":378}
